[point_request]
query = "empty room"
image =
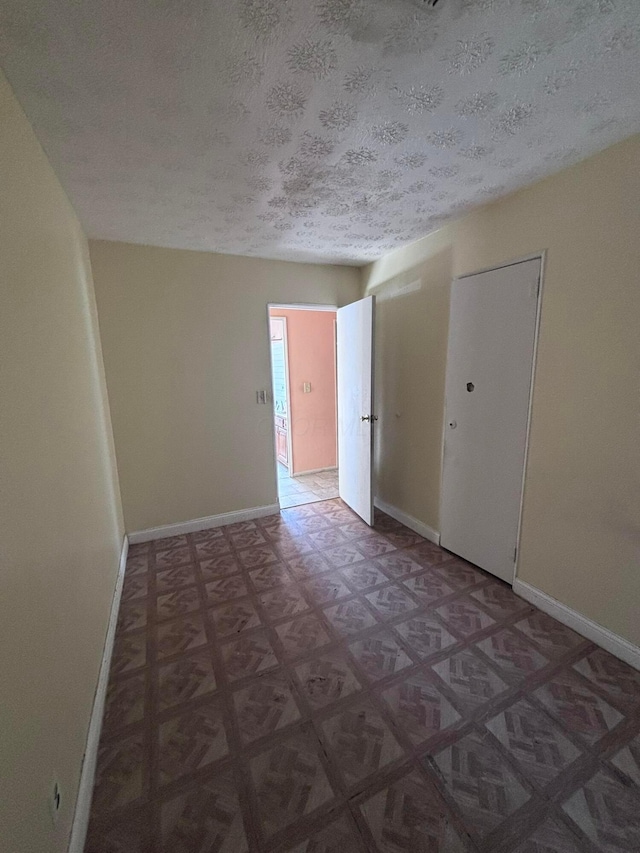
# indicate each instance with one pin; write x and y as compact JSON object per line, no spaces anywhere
{"x":320,"y":428}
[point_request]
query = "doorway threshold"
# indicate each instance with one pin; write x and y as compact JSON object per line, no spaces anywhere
{"x":306,"y":489}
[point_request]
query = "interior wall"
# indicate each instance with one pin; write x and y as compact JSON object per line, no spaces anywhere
{"x":186,"y":347}
{"x":581,"y":516}
{"x":311,"y":349}
{"x":60,"y":517}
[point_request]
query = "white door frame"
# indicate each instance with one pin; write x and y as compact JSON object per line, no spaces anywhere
{"x":287,"y":388}
{"x":542,"y":256}
{"x":288,"y":306}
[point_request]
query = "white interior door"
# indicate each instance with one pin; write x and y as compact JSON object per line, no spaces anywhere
{"x":492,"y":331}
{"x":355,"y":402}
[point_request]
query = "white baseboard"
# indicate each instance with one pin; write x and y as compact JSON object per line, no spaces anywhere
{"x":409,"y":521}
{"x":88,"y":772}
{"x":314,"y":471}
{"x":605,"y":638}
{"x":206,"y":523}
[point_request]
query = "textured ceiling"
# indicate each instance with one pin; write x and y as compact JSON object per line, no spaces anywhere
{"x":331,"y":131}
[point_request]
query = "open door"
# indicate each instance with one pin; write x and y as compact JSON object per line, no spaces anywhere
{"x":355,"y":405}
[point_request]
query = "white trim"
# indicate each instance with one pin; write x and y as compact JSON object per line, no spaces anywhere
{"x":90,"y":758}
{"x":206,"y":523}
{"x":315,"y":471}
{"x":301,"y":306}
{"x":605,"y":638}
{"x":409,"y":521}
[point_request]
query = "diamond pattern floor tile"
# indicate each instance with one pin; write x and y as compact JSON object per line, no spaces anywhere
{"x":408,"y":816}
{"x":290,"y":781}
{"x":419,"y":708}
{"x":327,"y":678}
{"x":360,"y":742}
{"x":538,"y":745}
{"x":481,"y":783}
{"x":303,"y":683}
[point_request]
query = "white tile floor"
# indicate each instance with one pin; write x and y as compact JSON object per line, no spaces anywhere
{"x":294,"y":491}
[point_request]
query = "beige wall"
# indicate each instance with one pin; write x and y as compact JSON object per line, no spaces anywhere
{"x":60,"y":519}
{"x":580,"y":535}
{"x":186,"y":346}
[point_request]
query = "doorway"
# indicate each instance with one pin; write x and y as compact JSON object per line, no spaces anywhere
{"x":303,"y":376}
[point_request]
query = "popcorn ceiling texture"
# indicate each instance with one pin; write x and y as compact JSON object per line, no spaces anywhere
{"x":329,"y":131}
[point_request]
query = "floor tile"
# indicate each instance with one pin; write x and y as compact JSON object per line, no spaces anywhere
{"x":607,"y":813}
{"x":364,"y":576}
{"x":190,"y":741}
{"x":481,"y":783}
{"x":184,"y":679}
{"x":553,"y":638}
{"x":211,"y":548}
{"x":326,"y":588}
{"x":407,"y":816}
{"x":398,"y":565}
{"x":132,"y":615}
{"x":460,"y":574}
{"x":267,"y":577}
{"x":534,"y":741}
{"x":350,"y":617}
{"x":125,"y":702}
{"x":579,"y":709}
{"x":499,"y":600}
{"x":181,"y":635}
{"x":425,"y":634}
{"x":173,"y":557}
{"x":380,"y":655}
{"x":135,"y":587}
{"x":283,"y":601}
{"x":613,"y":676}
{"x":248,"y":655}
{"x":473,"y":682}
{"x":340,"y":836}
{"x":391,"y":601}
{"x":419,"y":708}
{"x":375,"y":546}
{"x":343,"y":555}
{"x":464,"y":616}
{"x":512,"y":654}
{"x":176,"y":603}
{"x":219,"y":567}
{"x":224,"y":590}
{"x":427,"y":587}
{"x":302,"y":635}
{"x":551,"y":837}
{"x":178,"y":576}
{"x":129,"y":653}
{"x":204,"y":818}
{"x":289,"y":781}
{"x":240,"y":615}
{"x":253,"y":558}
{"x":327,"y":678}
{"x":122,"y":773}
{"x":128,"y":834}
{"x":628,"y":760}
{"x":264,"y":706}
{"x":359,"y":741}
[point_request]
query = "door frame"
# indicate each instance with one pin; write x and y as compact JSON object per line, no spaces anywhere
{"x":293,"y":306}
{"x":540,"y":255}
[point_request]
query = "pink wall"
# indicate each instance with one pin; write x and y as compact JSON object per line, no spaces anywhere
{"x":313,"y":426}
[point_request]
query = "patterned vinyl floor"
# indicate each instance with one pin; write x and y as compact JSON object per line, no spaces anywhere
{"x":305,"y":683}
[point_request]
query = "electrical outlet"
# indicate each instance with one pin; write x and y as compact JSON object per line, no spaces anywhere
{"x":55,"y":802}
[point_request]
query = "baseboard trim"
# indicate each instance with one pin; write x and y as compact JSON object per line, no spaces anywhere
{"x":206,"y":523}
{"x":584,"y":626}
{"x":314,"y":471}
{"x":89,"y":761}
{"x":409,"y":521}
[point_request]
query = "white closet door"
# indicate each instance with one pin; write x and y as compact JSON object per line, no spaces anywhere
{"x":492,"y":331}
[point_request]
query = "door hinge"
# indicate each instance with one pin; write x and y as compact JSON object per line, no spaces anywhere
{"x":515,"y":553}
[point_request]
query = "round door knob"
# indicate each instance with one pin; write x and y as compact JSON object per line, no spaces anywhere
{"x":453,"y":424}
